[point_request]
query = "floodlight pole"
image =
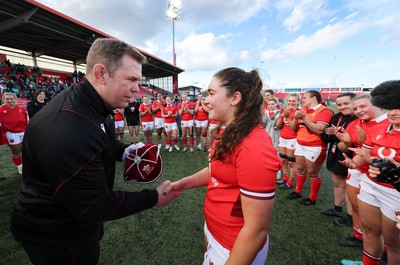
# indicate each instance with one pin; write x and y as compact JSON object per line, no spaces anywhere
{"x":173,"y":42}
{"x":173,"y":12}
{"x":334,"y":86}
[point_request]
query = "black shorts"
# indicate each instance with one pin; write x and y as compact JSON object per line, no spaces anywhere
{"x":134,"y":121}
{"x":332,"y":162}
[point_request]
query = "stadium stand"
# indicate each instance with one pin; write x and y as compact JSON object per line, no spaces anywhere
{"x":24,"y":80}
{"x":39,"y":31}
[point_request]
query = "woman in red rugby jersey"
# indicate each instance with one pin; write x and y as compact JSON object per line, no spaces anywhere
{"x":13,"y":119}
{"x":287,"y":141}
{"x":119,"y":124}
{"x":241,"y":175}
{"x":310,"y":122}
{"x":201,"y":123}
{"x":169,"y":112}
{"x":186,"y":111}
{"x":378,"y":199}
{"x":146,"y":119}
{"x":369,"y":116}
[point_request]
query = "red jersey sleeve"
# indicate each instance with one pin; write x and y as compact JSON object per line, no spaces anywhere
{"x":325,"y":116}
{"x":256,"y":178}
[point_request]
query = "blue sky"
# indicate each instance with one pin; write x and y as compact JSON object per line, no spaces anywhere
{"x":294,"y":43}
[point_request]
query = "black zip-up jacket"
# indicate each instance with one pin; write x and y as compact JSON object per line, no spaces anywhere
{"x":69,"y":154}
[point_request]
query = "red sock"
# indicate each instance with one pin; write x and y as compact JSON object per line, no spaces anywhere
{"x":169,"y":142}
{"x":290,"y":182}
{"x":185,"y":142}
{"x":357,"y":233}
{"x":315,"y":186}
{"x":285,"y":178}
{"x":300,"y":179}
{"x":368,"y":259}
{"x":191,"y":141}
{"x":175,"y":141}
{"x":17,"y":160}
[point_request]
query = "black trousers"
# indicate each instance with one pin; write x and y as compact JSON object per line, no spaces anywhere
{"x":83,"y":253}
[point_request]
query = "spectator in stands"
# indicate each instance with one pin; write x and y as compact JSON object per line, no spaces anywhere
{"x":201,"y":123}
{"x":132,"y":116}
{"x":69,"y":154}
{"x":13,"y":120}
{"x":186,"y":111}
{"x":119,"y":122}
{"x":146,"y":119}
{"x":37,"y":103}
{"x":338,"y":171}
{"x":310,"y":122}
{"x":241,"y":177}
{"x":3,"y":86}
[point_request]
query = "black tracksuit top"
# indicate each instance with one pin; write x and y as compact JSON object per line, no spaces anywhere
{"x":69,"y":154}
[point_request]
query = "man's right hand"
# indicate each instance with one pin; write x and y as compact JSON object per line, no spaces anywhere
{"x":164,"y":198}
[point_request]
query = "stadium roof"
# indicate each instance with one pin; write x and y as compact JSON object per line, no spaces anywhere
{"x":39,"y":30}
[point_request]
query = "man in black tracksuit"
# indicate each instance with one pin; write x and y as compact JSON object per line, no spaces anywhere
{"x":69,"y":154}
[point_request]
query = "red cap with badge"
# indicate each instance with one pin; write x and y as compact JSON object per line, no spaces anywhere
{"x":143,"y":165}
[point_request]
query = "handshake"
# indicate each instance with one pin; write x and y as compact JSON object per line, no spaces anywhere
{"x":388,"y":172}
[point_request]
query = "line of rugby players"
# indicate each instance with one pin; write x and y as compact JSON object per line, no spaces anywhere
{"x":348,"y":140}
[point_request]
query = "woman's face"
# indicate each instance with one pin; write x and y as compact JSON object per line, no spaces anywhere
{"x":292,"y":102}
{"x":345,"y":105}
{"x":184,"y":98}
{"x":41,"y":97}
{"x":218,"y":103}
{"x":308,"y":101}
{"x":267,"y":96}
{"x":364,"y":109}
{"x":145,"y":100}
{"x":394,"y":117}
{"x":168,"y":100}
{"x":272,"y":105}
{"x":10,"y":100}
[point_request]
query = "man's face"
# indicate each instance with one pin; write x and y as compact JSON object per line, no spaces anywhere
{"x":125,"y":81}
{"x":345,"y":105}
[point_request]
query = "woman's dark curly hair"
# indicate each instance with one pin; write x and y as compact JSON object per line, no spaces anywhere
{"x":248,"y":113}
